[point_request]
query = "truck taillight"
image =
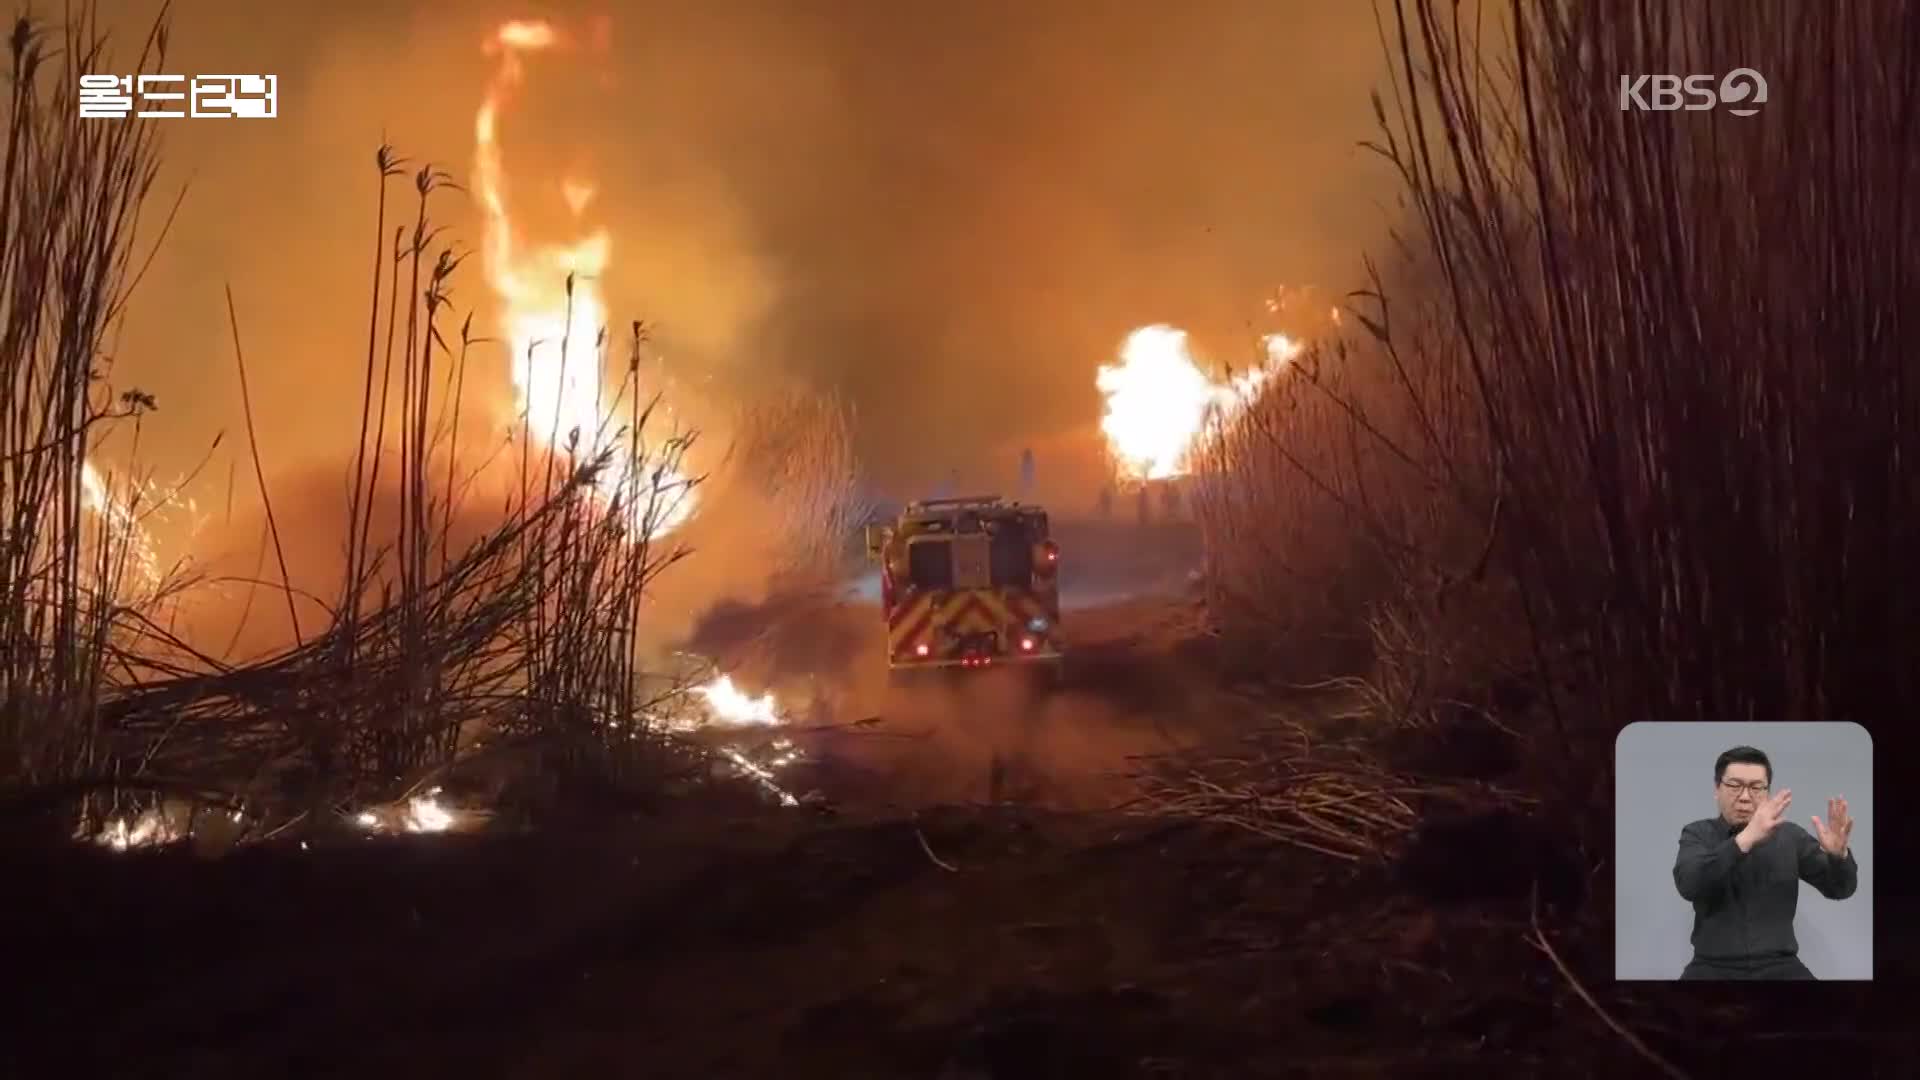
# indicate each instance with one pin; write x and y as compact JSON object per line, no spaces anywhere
{"x":1049,"y":553}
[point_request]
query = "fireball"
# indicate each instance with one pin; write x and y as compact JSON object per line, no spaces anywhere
{"x":558,"y":355}
{"x":1159,"y":399}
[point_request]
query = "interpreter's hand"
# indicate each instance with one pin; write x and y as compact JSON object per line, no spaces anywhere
{"x":1773,"y":810}
{"x":1837,"y":830}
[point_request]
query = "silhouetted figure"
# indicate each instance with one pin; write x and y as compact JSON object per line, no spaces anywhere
{"x":1145,"y":504}
{"x":1106,"y":502}
{"x":1026,"y":473}
{"x":1170,"y":502}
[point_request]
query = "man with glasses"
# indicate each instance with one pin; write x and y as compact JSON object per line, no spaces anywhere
{"x":1742,"y":872}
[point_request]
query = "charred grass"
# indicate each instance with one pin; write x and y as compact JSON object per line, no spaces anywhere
{"x":965,"y":942}
{"x":1059,"y":943}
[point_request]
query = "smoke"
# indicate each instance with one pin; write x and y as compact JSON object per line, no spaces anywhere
{"x":992,"y":739}
{"x":990,"y":735}
{"x":949,"y":217}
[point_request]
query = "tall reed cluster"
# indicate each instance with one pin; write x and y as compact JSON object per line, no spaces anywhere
{"x":436,"y":648}
{"x":1633,"y":415}
{"x":71,"y":192}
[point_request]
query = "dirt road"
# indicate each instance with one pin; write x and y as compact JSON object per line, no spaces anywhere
{"x":1132,"y":687}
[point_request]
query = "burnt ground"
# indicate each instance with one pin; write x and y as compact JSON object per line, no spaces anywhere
{"x":973,"y":900}
{"x":1038,"y":945}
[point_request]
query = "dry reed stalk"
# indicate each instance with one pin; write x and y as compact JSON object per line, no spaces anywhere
{"x":71,"y":193}
{"x":1692,"y":374}
{"x":1331,"y":797}
{"x":1628,"y":383}
{"x":519,"y":644}
{"x":1638,"y":386}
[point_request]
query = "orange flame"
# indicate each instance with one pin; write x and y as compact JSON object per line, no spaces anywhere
{"x":556,"y":338}
{"x":1159,"y":400}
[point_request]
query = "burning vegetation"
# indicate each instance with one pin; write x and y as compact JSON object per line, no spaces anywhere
{"x":434,"y":653}
{"x":1160,"y":401}
{"x":1448,"y":535}
{"x":555,"y":318}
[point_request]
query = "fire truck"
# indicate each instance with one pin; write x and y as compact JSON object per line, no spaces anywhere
{"x":969,"y":583}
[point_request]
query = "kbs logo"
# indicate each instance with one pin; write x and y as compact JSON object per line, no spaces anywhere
{"x":1743,"y":88}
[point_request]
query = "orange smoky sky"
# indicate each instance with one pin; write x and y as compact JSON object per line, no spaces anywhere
{"x":950,"y":214}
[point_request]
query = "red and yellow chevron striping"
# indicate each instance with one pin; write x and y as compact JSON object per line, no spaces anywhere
{"x":927,"y":617}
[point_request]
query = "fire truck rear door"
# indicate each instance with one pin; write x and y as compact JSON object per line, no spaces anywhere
{"x":972,"y":568}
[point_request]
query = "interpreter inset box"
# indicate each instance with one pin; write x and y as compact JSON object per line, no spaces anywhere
{"x":1743,"y":851}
